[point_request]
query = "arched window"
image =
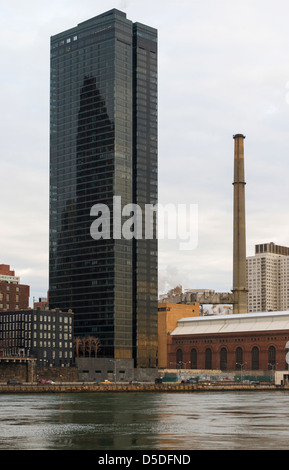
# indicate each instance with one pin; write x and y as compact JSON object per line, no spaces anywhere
{"x":271,"y":357}
{"x":223,"y":359}
{"x":194,"y":359}
{"x":179,"y":358}
{"x":208,"y":359}
{"x":239,"y":358}
{"x":255,"y":358}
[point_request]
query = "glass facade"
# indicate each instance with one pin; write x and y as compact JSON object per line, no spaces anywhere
{"x":103,"y":143}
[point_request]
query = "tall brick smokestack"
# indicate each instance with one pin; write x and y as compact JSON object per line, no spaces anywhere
{"x":239,"y":238}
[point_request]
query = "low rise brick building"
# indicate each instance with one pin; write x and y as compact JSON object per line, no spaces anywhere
{"x":255,"y":341}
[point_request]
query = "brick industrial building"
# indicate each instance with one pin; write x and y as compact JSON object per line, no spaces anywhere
{"x":255,"y":341}
{"x":13,"y":295}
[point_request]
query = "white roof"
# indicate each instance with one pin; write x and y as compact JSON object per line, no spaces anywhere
{"x":237,"y":323}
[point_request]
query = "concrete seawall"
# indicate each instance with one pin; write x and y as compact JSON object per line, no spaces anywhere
{"x":87,"y":387}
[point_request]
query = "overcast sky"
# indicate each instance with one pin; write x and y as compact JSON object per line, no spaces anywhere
{"x":223,"y":69}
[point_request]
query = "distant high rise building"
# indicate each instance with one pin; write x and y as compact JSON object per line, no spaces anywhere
{"x":13,"y":295}
{"x":103,"y":146}
{"x":268,"y":278}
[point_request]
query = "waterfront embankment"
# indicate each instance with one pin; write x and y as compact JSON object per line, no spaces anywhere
{"x":145,"y":387}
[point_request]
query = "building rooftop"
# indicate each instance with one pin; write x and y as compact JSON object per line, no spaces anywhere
{"x":271,"y":248}
{"x":236,"y":323}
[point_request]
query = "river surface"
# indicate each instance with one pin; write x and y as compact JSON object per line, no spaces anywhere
{"x":145,"y":421}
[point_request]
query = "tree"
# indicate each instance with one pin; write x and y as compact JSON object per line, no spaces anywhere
{"x":92,"y":345}
{"x":77,"y":343}
{"x":86,"y":344}
{"x":96,"y":346}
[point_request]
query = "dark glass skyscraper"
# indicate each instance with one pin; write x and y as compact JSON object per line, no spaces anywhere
{"x":103,"y":145}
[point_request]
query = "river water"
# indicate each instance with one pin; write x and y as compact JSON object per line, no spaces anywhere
{"x":145,"y":421}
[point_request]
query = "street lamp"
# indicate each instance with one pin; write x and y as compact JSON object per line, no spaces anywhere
{"x":273,"y":365}
{"x":189,"y":362}
{"x":241,"y":365}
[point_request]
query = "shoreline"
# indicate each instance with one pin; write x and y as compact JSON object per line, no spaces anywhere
{"x":147,"y":387}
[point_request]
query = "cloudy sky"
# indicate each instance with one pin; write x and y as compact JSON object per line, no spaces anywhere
{"x":223,"y":69}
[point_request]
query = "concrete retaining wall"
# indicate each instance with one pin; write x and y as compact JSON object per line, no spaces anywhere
{"x":117,"y":388}
{"x":25,"y":370}
{"x":119,"y":370}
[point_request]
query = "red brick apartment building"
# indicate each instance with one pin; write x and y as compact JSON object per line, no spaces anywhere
{"x":13,"y":295}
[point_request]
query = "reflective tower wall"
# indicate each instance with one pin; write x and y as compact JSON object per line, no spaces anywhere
{"x":103,"y":143}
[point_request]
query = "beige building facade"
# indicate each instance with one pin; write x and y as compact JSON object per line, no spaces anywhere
{"x":168,"y":316}
{"x":268,"y":278}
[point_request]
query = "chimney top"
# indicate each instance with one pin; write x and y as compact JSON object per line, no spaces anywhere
{"x":239,"y":135}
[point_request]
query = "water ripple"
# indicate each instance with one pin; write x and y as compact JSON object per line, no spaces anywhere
{"x":182,"y":421}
